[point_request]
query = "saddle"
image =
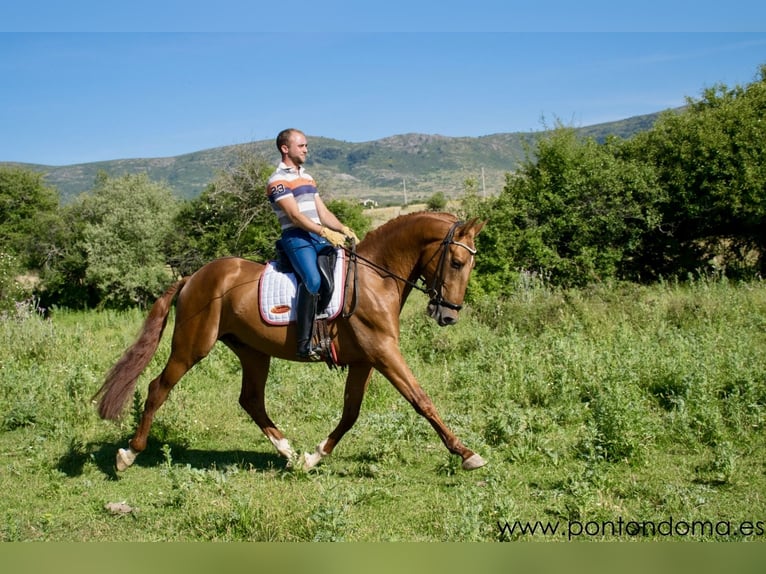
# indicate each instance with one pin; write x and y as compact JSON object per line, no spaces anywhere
{"x":278,"y":287}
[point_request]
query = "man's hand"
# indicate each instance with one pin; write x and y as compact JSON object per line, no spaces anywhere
{"x":348,"y":232}
{"x":336,"y":238}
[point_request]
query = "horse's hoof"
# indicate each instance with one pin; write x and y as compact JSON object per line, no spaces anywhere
{"x":283,"y":447}
{"x":125,"y":458}
{"x":311,"y":460}
{"x":473,"y":462}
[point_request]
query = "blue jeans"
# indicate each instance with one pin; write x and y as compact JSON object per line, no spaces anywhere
{"x":302,"y":248}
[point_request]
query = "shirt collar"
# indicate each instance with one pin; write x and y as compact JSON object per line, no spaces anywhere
{"x":283,"y":166}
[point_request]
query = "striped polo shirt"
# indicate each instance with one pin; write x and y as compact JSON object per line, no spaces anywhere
{"x":291,"y":182}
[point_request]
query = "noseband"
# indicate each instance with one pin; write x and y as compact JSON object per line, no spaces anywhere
{"x":435,"y":291}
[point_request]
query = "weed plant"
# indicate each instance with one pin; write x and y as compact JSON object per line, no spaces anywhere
{"x":604,"y":407}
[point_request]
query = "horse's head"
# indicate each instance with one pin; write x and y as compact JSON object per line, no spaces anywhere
{"x":448,"y":269}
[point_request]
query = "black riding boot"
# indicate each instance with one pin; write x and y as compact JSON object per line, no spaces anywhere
{"x":306,"y":308}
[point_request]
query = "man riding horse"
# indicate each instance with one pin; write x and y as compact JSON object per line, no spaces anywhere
{"x":310,"y":232}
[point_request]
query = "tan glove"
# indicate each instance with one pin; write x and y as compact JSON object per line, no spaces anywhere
{"x":336,"y":238}
{"x":348,"y":232}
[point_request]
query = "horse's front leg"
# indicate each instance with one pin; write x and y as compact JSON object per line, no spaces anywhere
{"x":395,"y":369}
{"x":356,"y":384}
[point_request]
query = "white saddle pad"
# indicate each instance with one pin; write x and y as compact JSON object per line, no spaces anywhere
{"x":276,"y":293}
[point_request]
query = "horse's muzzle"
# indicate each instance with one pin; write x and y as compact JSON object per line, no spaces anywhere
{"x":444,"y":316}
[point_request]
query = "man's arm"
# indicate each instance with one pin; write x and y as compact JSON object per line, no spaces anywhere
{"x":290,"y":208}
{"x":326,"y":216}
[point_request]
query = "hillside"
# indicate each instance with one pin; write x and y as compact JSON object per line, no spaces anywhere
{"x":381,"y":170}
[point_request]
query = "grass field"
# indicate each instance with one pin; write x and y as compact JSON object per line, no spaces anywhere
{"x":617,"y":413}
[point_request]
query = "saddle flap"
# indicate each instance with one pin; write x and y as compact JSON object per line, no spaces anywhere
{"x":277,"y":292}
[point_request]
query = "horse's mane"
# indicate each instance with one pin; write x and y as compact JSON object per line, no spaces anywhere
{"x":406,"y":221}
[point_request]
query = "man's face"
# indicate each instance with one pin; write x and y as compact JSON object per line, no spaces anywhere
{"x":297,"y":149}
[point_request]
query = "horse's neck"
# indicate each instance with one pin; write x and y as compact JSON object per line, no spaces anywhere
{"x":398,"y":255}
{"x":399,"y":246}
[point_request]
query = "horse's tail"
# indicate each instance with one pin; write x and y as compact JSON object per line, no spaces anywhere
{"x":122,"y":377}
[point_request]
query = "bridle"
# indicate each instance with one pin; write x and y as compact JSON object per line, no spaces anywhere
{"x":437,"y":285}
{"x":435,"y":291}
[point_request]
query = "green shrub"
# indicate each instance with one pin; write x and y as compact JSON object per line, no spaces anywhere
{"x":11,"y":290}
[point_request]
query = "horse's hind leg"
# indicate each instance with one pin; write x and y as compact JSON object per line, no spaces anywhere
{"x":190,"y":345}
{"x":159,"y":389}
{"x":252,"y":398}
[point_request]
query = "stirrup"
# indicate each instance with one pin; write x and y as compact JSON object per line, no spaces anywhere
{"x":312,"y":354}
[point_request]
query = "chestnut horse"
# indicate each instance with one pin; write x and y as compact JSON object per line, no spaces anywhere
{"x":219,"y":302}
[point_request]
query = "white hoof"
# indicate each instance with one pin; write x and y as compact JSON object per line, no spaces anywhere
{"x":311,"y":460}
{"x":283,"y":447}
{"x":125,"y":458}
{"x":473,"y":462}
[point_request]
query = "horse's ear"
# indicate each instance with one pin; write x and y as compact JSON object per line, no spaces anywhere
{"x":472,"y":227}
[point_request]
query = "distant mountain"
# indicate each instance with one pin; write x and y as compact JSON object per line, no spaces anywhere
{"x":383,"y":170}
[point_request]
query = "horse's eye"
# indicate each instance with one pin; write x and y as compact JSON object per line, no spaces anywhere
{"x":456,"y":264}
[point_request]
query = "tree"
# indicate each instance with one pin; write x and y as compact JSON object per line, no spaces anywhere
{"x":110,"y":254}
{"x":351,"y":213}
{"x":63,"y":271}
{"x":470,"y":203}
{"x":437,"y":202}
{"x":576,"y":212}
{"x":232,"y":217}
{"x":711,"y":160}
{"x":26,"y":207}
{"x":11,"y":290}
{"x":687,"y":195}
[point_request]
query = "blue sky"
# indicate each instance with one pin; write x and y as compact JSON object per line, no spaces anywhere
{"x":83,"y":81}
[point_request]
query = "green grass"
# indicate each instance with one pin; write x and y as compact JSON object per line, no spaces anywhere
{"x":597,"y":407}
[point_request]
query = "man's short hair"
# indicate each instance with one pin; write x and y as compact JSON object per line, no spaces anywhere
{"x":283,"y":138}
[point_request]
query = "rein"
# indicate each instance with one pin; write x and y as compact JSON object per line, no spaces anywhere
{"x":434,"y":291}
